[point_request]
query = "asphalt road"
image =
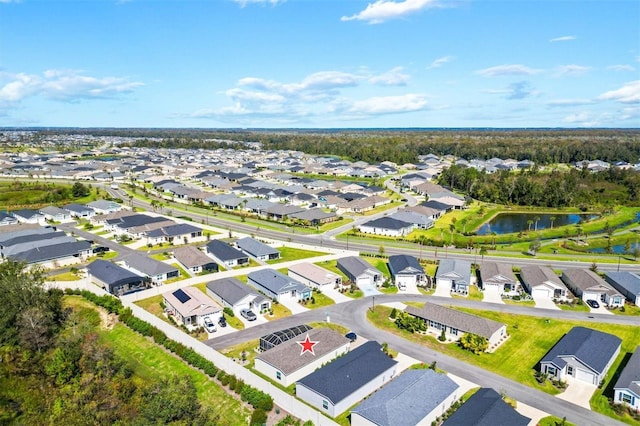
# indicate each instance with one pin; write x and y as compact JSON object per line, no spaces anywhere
{"x":353,"y":315}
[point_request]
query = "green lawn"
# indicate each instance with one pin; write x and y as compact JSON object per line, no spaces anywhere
{"x":149,"y":361}
{"x":249,"y":349}
{"x":578,"y":307}
{"x":289,"y":253}
{"x":321,"y":301}
{"x":389,"y":290}
{"x":355,"y":295}
{"x":530,"y":339}
{"x":330,"y":265}
{"x":554,"y":421}
{"x":183,"y":275}
{"x":629,"y":309}
{"x":234,"y":322}
{"x":152,"y":305}
{"x":65,"y":276}
{"x":279,"y":311}
{"x":519,"y":302}
{"x":380,"y":264}
{"x":474,"y":294}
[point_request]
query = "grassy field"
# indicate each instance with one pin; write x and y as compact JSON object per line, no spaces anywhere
{"x":530,"y":339}
{"x":380,"y":264}
{"x":474,"y":294}
{"x":65,"y":276}
{"x":321,"y":301}
{"x":17,"y":194}
{"x":150,"y":362}
{"x":279,"y":311}
{"x":249,"y":349}
{"x":289,"y":253}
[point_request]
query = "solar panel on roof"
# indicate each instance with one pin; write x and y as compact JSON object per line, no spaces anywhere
{"x":181,"y":296}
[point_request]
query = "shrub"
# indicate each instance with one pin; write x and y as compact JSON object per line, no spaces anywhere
{"x":258,"y":417}
{"x":229,"y":312}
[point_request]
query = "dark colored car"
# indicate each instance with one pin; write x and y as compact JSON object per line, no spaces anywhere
{"x":248,"y":314}
{"x":593,"y":304}
{"x":351,"y":336}
{"x":222,"y":321}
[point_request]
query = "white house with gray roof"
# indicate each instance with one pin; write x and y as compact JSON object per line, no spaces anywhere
{"x":454,"y":274}
{"x":359,"y":271}
{"x":627,"y":283}
{"x":499,"y":276}
{"x":194,"y":260}
{"x":456,"y":323}
{"x":542,"y":282}
{"x":627,"y":388}
{"x":314,"y":276}
{"x":157,"y":271}
{"x":343,"y":382}
{"x":278,"y":286}
{"x":56,"y":214}
{"x":257,"y":249}
{"x":582,"y":354}
{"x":415,"y":397}
{"x":588,"y":285}
{"x":285,"y":364}
{"x":233,"y":293}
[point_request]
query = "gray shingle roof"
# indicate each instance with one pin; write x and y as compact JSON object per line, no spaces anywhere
{"x":224,"y":251}
{"x":486,"y":408}
{"x":255,"y":247}
{"x":347,"y":374}
{"x":355,"y":266}
{"x":190,"y":256}
{"x":628,"y":281}
{"x":286,"y":357}
{"x":148,"y":266}
{"x":176,"y":230}
{"x":407,"y":399}
{"x":591,"y":347}
{"x":404,"y":264}
{"x":449,"y":267}
{"x":231,"y":290}
{"x":111,"y":274}
{"x":461,"y":320}
{"x":387,"y":223}
{"x":630,"y":376}
{"x":58,"y":251}
{"x":534,"y":275}
{"x":276,"y":281}
{"x":497,"y":270}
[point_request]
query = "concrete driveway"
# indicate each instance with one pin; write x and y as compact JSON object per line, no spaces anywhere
{"x":578,"y":392}
{"x":545,"y":303}
{"x":442,"y":290}
{"x":293,"y":306}
{"x":335,"y":295}
{"x":492,"y":294}
{"x":600,"y":310}
{"x":260,"y":319}
{"x":369,"y":290}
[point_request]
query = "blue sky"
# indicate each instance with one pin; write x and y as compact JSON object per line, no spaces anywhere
{"x":320,"y":63}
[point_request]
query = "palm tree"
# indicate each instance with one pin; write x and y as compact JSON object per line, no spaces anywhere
{"x":537,"y":219}
{"x":529,"y":222}
{"x":483,"y":251}
{"x":452,"y":229}
{"x":552,"y":219}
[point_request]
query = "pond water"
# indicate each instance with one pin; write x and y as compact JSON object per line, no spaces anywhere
{"x":505,"y":223}
{"x":617,"y":249}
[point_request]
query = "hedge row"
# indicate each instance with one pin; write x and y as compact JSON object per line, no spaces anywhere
{"x":256,"y":398}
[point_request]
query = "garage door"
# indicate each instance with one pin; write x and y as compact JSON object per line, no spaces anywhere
{"x":585,"y":376}
{"x":364,"y":281}
{"x":444,"y":282}
{"x":540,"y":293}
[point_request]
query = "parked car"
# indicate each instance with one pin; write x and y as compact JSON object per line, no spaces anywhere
{"x":248,"y":314}
{"x":209,"y":325}
{"x":222,"y":322}
{"x":593,"y":304}
{"x":351,"y":336}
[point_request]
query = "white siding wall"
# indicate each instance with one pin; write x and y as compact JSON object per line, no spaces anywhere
{"x":498,"y":335}
{"x":404,"y":280}
{"x":618,"y":398}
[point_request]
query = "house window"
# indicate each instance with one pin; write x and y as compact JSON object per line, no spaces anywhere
{"x":626,"y":398}
{"x":278,"y":375}
{"x":453,"y":331}
{"x":325,"y":404}
{"x":569,"y":370}
{"x":551,"y":370}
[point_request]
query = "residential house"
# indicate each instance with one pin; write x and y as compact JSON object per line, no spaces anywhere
{"x":189,"y":306}
{"x":406,"y":270}
{"x":115,"y":279}
{"x":56,"y":214}
{"x":586,"y":285}
{"x":498,"y":276}
{"x":57,"y":255}
{"x":283,"y":211}
{"x":278,"y":286}
{"x":286,"y":363}
{"x":454,"y":274}
{"x":158,"y":272}
{"x":257,"y":249}
{"x":418,"y":220}
{"x":359,"y":271}
{"x":194,"y":260}
{"x":486,"y":407}
{"x":345,"y":381}
{"x":314,"y":276}
{"x":233,"y":293}
{"x":627,"y":283}
{"x":80,"y":211}
{"x":582,"y":354}
{"x":314,"y":217}
{"x":175,"y":233}
{"x":448,"y":198}
{"x":387,"y":226}
{"x":18,"y":244}
{"x":627,"y":388}
{"x":415,"y":397}
{"x":542,"y":282}
{"x":225,"y":254}
{"x":104,"y":206}
{"x":456,"y":323}
{"x":29,"y":216}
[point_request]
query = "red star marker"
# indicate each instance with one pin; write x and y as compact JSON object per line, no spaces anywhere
{"x":307,"y":345}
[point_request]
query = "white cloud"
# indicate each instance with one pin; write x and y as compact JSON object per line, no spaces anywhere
{"x":515,"y":91}
{"x":244,"y":3}
{"x":380,"y":105}
{"x":323,"y":80}
{"x":63,"y":85}
{"x":569,"y":102}
{"x":582,"y":119}
{"x":440,"y":62}
{"x":572,"y":70}
{"x":620,"y":67}
{"x":563,"y":38}
{"x":507,"y":70}
{"x":394,"y":77}
{"x":383,"y":10}
{"x":627,"y":94}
